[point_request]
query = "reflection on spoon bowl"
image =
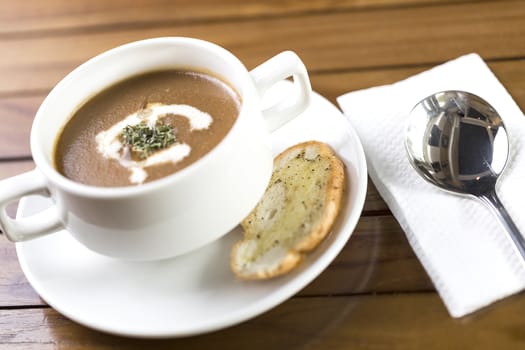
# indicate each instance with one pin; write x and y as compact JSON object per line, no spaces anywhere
{"x":458,"y":142}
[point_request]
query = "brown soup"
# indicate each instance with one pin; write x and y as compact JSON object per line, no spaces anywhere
{"x":145,"y":128}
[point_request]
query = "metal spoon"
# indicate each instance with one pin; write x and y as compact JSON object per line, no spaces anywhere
{"x":457,"y":141}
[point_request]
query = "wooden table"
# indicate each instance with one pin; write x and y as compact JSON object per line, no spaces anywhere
{"x":375,"y":295}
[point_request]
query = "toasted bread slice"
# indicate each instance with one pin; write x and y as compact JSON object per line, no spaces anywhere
{"x":296,"y":212}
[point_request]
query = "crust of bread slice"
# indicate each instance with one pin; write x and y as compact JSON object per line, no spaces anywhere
{"x":294,"y":215}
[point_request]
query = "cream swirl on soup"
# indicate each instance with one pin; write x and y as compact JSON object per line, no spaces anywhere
{"x":109,"y":142}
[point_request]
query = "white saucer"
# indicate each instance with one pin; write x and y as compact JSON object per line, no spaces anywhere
{"x":194,"y":293}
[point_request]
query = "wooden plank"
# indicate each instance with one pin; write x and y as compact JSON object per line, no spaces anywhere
{"x":17,"y":112}
{"x":377,"y":258}
{"x":511,"y":73}
{"x":14,"y":288}
{"x":8,"y":169}
{"x":328,"y":41}
{"x":30,"y":16}
{"x":392,"y":321}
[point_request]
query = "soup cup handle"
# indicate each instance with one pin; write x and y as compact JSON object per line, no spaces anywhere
{"x":278,"y":68}
{"x":22,"y":229}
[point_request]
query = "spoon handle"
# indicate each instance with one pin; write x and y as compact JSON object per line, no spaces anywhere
{"x":492,"y":200}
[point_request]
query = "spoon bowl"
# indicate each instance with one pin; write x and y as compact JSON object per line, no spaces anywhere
{"x":458,"y":142}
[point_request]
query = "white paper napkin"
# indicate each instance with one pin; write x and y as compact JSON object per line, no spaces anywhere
{"x":457,"y":239}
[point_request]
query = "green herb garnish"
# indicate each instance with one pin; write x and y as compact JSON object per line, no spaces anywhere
{"x":144,"y":140}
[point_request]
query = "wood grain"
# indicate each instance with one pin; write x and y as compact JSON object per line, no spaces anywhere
{"x":326,"y":42}
{"x":511,"y":73}
{"x":8,"y":169}
{"x":375,"y":294}
{"x":17,"y":113}
{"x":35,"y":17}
{"x":15,"y":290}
{"x":390,"y":321}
